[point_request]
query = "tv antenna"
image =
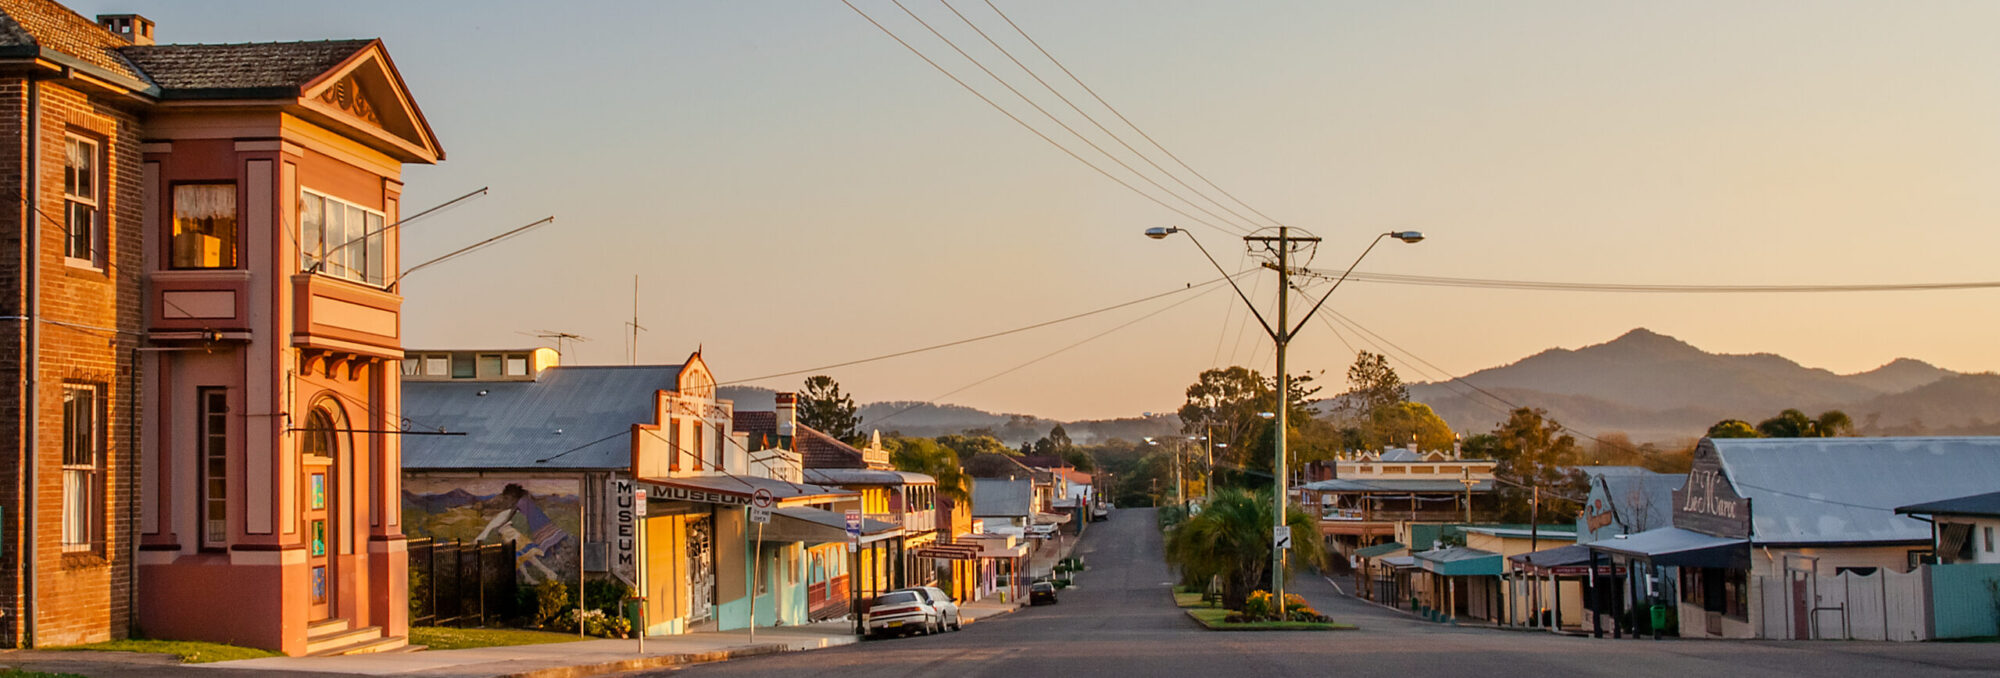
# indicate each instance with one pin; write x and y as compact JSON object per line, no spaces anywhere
{"x":632,"y":346}
{"x":560,"y":339}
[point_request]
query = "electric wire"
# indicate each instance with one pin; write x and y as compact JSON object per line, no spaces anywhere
{"x":1093,"y":120}
{"x":1642,"y":288}
{"x":1121,"y":116}
{"x":983,"y":337}
{"x":1024,"y":124}
{"x":1048,"y":355}
{"x":1058,"y":121}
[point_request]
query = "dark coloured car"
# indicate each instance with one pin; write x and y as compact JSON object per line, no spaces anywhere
{"x":1042,"y":592}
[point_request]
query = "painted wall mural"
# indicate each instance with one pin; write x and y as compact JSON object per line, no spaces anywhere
{"x":541,"y":516}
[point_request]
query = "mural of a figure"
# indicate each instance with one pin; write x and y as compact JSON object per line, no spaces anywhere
{"x":539,"y":516}
{"x":528,"y":552}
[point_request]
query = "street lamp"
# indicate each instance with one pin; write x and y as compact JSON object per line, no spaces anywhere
{"x":1281,"y":336}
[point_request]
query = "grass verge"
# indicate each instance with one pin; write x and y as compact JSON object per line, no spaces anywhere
{"x":447,"y":638}
{"x":189,"y":651}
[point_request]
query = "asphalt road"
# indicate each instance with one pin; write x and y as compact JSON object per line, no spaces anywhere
{"x":1120,"y":621}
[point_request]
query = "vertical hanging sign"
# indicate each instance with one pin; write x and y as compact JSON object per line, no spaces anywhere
{"x":622,"y":519}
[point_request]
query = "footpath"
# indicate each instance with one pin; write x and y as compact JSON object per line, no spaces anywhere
{"x":552,"y":660}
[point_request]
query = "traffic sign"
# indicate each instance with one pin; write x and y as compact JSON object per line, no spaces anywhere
{"x":760,"y":515}
{"x":639,"y":502}
{"x":762,"y":499}
{"x":853,"y":523}
{"x":1281,"y":537}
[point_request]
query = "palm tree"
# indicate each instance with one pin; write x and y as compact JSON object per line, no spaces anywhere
{"x":1230,"y":541}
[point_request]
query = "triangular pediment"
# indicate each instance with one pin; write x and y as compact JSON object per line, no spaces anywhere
{"x":366,"y":94}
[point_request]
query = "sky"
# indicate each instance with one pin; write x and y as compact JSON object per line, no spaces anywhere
{"x":794,"y":189}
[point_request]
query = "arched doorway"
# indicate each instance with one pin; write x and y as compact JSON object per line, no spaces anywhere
{"x":324,"y":451}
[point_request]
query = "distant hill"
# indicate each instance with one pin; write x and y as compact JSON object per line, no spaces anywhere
{"x":1658,"y":388}
{"x":931,"y":419}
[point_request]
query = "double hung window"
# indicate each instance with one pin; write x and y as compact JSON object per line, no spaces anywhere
{"x":341,"y":239}
{"x":81,"y":180}
{"x":82,"y":449}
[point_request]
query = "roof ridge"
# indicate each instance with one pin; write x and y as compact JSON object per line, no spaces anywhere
{"x":257,"y":43}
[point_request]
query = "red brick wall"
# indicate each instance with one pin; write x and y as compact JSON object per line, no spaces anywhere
{"x":88,"y":332}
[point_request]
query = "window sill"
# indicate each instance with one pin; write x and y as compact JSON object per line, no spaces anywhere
{"x":85,"y":265}
{"x":83,"y":559}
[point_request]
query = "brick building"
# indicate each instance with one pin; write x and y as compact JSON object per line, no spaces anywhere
{"x":198,"y":289}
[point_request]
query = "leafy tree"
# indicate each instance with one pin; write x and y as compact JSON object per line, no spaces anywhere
{"x":1230,"y":541}
{"x":824,"y":408}
{"x":1373,"y":384}
{"x":1534,"y":452}
{"x":1406,"y":422}
{"x":1732,"y":428}
{"x":1226,"y":405}
{"x":1792,"y":423}
{"x":926,"y":456}
{"x":969,"y":444}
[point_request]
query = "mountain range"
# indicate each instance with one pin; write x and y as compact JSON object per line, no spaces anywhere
{"x":1657,"y":388}
{"x":1648,"y":385}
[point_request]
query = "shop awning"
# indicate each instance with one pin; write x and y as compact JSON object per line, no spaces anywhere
{"x":1399,"y":562}
{"x":1460,"y":561}
{"x":1680,"y":548}
{"x":1378,"y":550}
{"x":816,"y":526}
{"x":1050,"y":518}
{"x":949,"y":550}
{"x":1567,"y":561}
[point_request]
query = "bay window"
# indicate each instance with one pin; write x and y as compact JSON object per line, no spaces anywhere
{"x":341,"y":239}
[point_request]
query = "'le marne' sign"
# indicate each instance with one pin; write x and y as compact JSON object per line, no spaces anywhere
{"x":1707,"y":503}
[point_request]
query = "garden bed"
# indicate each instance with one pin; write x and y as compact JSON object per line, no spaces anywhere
{"x":1212,"y":617}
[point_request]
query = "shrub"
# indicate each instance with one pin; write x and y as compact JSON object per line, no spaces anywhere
{"x":606,"y":594}
{"x":549,"y":599}
{"x":1261,"y":606}
{"x":596,"y":623}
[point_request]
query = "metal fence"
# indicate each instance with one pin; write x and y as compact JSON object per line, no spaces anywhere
{"x":455,"y":582}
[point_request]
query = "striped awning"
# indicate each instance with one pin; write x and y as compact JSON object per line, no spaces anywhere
{"x":948,"y":551}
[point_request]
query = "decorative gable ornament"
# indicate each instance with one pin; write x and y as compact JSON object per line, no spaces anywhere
{"x":347,"y":96}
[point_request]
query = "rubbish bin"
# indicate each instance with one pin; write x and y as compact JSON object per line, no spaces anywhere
{"x":1659,"y":620}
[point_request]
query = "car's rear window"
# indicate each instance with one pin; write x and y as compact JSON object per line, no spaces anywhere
{"x":897,"y":598}
{"x":1043,"y":586}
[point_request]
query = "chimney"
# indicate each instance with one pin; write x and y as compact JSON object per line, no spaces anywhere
{"x":133,"y":28}
{"x":788,"y":418}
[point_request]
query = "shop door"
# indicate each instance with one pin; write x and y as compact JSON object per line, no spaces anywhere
{"x":701,"y":569}
{"x":1801,"y":607}
{"x":320,"y":575}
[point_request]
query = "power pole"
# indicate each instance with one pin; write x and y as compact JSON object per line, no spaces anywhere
{"x":1180,"y":487}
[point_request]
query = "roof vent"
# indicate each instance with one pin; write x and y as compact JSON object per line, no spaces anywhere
{"x":133,"y":28}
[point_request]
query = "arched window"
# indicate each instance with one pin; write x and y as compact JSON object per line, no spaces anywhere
{"x":321,"y":433}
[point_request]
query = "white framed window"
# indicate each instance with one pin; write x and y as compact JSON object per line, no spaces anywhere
{"x":82,"y":452}
{"x":341,"y":239}
{"x":82,"y":179}
{"x":517,"y":365}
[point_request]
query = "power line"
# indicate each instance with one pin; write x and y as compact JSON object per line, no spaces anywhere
{"x":1121,"y":116}
{"x":1079,"y":111}
{"x":1017,"y":120}
{"x":1642,"y":288}
{"x":983,"y":337}
{"x":1048,"y":355}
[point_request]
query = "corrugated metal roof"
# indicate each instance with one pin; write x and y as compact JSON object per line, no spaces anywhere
{"x":1460,"y":561}
{"x":1976,"y":505}
{"x":1846,"y":490}
{"x":862,"y":476}
{"x":584,"y":411}
{"x":1379,"y":550}
{"x":1002,"y":497}
{"x":1395,"y":485}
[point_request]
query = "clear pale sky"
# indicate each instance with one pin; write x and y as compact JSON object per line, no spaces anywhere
{"x":795,"y":189}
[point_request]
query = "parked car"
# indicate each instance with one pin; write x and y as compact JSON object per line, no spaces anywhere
{"x":921,"y":609}
{"x":1042,"y":592}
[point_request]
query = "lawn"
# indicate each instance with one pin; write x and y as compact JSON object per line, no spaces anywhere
{"x":190,"y":652}
{"x":446,"y":638}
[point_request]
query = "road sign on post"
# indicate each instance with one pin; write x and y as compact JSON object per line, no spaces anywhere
{"x":1281,"y":537}
{"x":761,"y":502}
{"x":760,"y":515}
